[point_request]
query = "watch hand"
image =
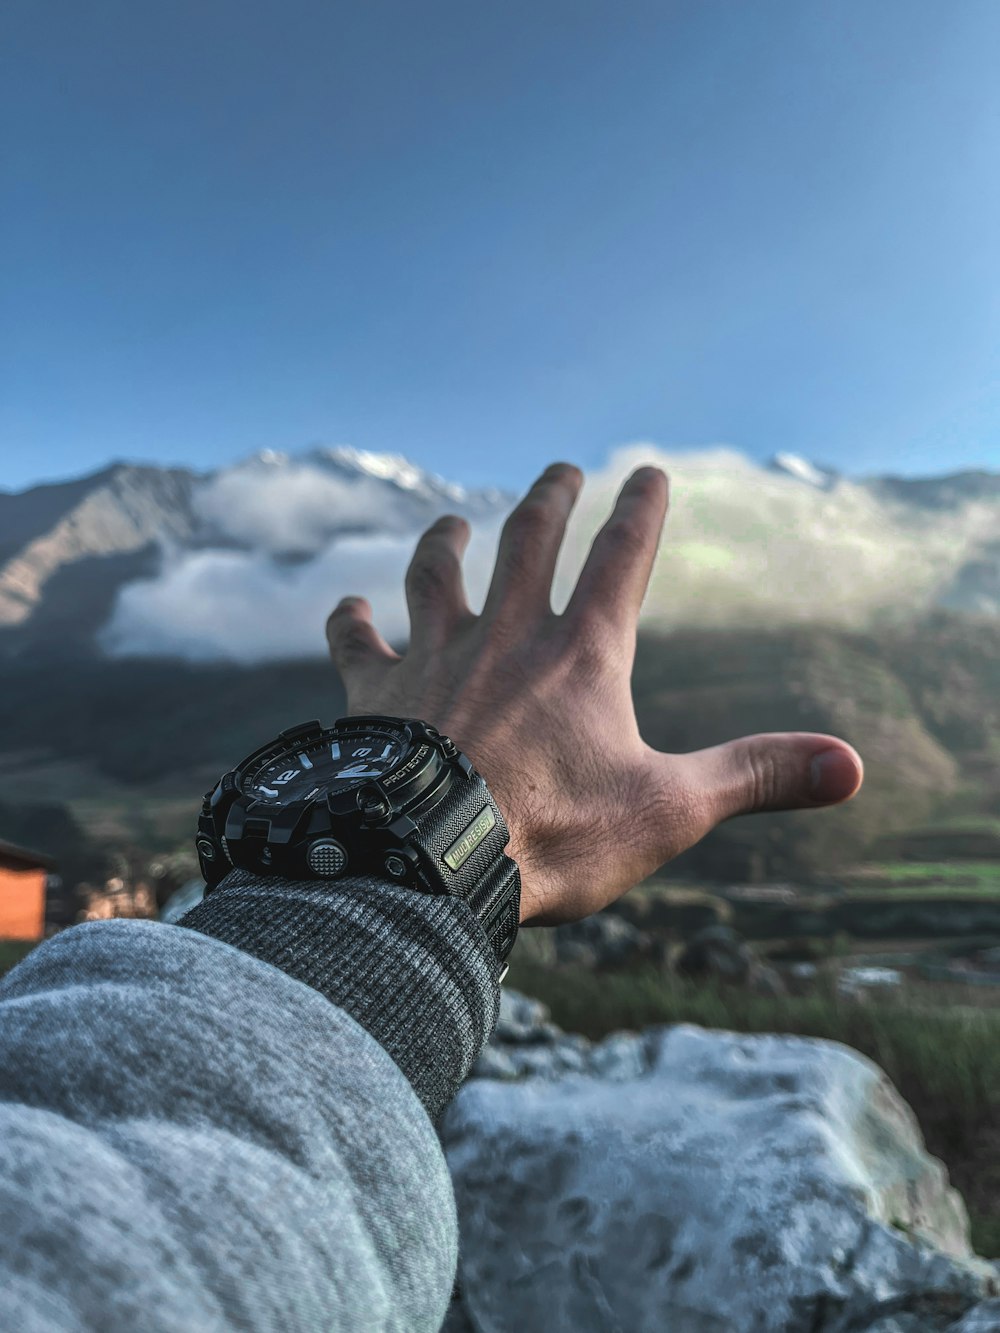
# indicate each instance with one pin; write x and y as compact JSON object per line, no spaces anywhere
{"x":356,"y":771}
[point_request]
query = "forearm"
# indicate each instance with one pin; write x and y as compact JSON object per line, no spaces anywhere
{"x":193,"y":1138}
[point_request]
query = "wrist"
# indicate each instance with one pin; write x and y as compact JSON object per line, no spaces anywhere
{"x":373,"y":795}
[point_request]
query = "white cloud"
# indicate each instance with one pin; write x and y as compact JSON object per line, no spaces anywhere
{"x":244,"y":606}
{"x":279,"y":504}
{"x":743,"y":545}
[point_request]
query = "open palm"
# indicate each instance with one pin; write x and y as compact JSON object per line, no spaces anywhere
{"x":542,"y":703}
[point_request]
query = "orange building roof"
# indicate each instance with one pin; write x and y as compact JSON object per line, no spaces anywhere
{"x":13,"y":857}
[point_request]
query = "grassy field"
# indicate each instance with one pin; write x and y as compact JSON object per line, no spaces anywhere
{"x":973,"y":878}
{"x":984,"y":890}
{"x":944,"y":1061}
{"x":924,"y":879}
{"x":970,"y":823}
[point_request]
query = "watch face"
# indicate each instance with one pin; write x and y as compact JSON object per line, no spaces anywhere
{"x":302,"y":773}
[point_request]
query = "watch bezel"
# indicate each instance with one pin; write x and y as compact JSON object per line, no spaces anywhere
{"x":307,"y":735}
{"x":251,"y":825}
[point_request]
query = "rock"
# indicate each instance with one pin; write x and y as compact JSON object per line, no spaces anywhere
{"x":922,"y":1317}
{"x":719,"y":953}
{"x":715,"y":1183}
{"x":547,"y":1062}
{"x":603,"y":940}
{"x":804,"y":971}
{"x":182,"y":900}
{"x":984,"y":1318}
{"x":494,"y":1062}
{"x":677,"y":912}
{"x":852,"y":981}
{"x":620,"y":1056}
{"x":522,"y":1019}
{"x":527,"y":1044}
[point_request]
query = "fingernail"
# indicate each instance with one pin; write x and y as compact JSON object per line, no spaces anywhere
{"x":643,"y":475}
{"x":833,"y":774}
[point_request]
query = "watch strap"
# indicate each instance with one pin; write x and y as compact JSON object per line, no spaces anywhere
{"x":496,"y":900}
{"x":463,"y":840}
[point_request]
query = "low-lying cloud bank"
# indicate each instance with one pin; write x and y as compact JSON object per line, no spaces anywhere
{"x":242,"y":605}
{"x":743,"y":546}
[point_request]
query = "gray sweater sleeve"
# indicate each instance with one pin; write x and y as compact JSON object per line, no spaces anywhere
{"x":228,"y":1124}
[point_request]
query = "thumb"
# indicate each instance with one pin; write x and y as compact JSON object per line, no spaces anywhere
{"x":780,"y":770}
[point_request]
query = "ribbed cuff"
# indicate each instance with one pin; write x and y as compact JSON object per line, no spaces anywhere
{"x":415,"y":970}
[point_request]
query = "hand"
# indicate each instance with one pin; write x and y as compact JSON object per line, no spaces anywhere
{"x":542,"y":705}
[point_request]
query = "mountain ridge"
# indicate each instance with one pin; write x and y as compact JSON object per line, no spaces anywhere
{"x":129,"y":745}
{"x":86,"y":540}
{"x":127,"y":509}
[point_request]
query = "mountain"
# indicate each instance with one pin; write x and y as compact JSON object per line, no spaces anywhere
{"x":786,"y":596}
{"x":85,"y":538}
{"x":921,"y":702}
{"x":950,"y":492}
{"x":67,"y":550}
{"x":791,"y":465}
{"x":235,"y":562}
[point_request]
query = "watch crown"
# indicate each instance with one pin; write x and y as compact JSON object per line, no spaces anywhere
{"x":372,"y":804}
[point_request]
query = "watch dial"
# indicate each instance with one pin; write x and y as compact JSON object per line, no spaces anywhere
{"x":317,"y":767}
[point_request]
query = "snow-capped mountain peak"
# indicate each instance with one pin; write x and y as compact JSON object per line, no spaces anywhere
{"x":269,"y":458}
{"x":178,"y":561}
{"x":393,"y":468}
{"x":793,"y":465}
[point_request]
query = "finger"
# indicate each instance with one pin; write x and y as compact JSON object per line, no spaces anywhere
{"x":356,"y":646}
{"x":530,"y":542}
{"x":435,"y":592}
{"x":790,"y":770}
{"x":613,"y":582}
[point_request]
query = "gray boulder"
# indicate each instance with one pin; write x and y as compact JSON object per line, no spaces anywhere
{"x":706,"y":1183}
{"x":604,"y":940}
{"x":527,"y":1044}
{"x":984,"y":1318}
{"x":718,"y":953}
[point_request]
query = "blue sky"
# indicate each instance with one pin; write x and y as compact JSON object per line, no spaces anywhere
{"x":487,"y":236}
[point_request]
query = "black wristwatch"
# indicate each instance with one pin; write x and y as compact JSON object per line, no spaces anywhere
{"x":370,"y":795}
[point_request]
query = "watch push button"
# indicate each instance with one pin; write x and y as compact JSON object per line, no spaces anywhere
{"x":327,"y":858}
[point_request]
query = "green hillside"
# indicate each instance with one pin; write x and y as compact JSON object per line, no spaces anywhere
{"x":931,"y":750}
{"x":129,"y":746}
